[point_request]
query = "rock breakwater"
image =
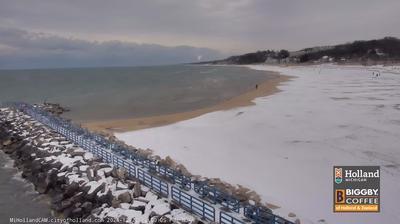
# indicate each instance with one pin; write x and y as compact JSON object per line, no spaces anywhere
{"x":80,"y":185}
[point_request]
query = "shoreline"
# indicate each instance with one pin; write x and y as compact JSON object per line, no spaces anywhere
{"x":266,"y":88}
{"x":303,"y":129}
{"x":76,"y":183}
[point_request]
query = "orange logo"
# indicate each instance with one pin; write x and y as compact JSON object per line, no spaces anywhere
{"x":340,"y":196}
{"x":338,"y":175}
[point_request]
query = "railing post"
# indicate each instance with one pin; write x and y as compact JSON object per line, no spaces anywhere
{"x":180,"y":196}
{"x":151,"y":181}
{"x":204,"y":210}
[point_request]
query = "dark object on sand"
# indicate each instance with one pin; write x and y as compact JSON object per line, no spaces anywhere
{"x":376,"y":74}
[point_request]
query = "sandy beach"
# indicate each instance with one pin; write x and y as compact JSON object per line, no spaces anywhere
{"x":265,"y":88}
{"x":285,"y":146}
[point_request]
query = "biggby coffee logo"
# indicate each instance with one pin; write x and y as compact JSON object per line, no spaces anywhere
{"x":338,"y":175}
{"x":340,"y":196}
{"x":356,"y":189}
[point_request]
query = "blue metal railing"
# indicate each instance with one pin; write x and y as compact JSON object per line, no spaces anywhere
{"x":193,"y":204}
{"x":175,"y":177}
{"x":120,"y":156}
{"x":216,"y":196}
{"x":262,"y":215}
{"x":130,"y":168}
{"x":153,"y":183}
{"x":224,"y":218}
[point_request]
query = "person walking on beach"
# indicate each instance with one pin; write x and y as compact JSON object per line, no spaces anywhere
{"x":376,"y":74}
{"x":256,"y":86}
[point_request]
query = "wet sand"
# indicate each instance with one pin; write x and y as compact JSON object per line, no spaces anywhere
{"x":122,"y":125}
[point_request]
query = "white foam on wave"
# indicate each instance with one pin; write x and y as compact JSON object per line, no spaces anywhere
{"x":8,"y":162}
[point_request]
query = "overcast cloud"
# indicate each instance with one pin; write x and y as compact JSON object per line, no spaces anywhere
{"x":129,"y":32}
{"x":22,"y":49}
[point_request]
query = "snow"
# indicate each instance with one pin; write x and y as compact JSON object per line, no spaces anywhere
{"x":65,"y":160}
{"x":122,"y":185}
{"x":137,"y":203}
{"x":150,"y":196}
{"x":285,"y":146}
{"x":61,"y":174}
{"x":103,"y":171}
{"x":125,"y":205}
{"x":93,"y":185}
{"x":74,"y":178}
{"x":88,"y":156}
{"x":117,"y":193}
{"x":160,"y":206}
{"x":181,"y":216}
{"x":83,"y":168}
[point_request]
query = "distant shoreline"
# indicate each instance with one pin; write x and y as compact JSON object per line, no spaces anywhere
{"x":265,"y":88}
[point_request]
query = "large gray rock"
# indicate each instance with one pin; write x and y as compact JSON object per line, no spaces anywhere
{"x":71,"y":189}
{"x":66,"y":204}
{"x":138,"y":206}
{"x":120,"y":173}
{"x":102,"y":165}
{"x":7,"y":142}
{"x":36,"y":165}
{"x":125,"y":197}
{"x":105,"y":198}
{"x":41,"y":186}
{"x":93,"y":191}
{"x":77,"y":212}
{"x":97,"y":211}
{"x":130,"y":183}
{"x":115,"y":203}
{"x":90,"y":173}
{"x":137,"y":191}
{"x":13,"y":147}
{"x":77,"y":153}
{"x":78,"y":197}
{"x":87,"y":206}
{"x":51,"y":177}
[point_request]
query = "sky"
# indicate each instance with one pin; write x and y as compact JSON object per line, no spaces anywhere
{"x":74,"y":33}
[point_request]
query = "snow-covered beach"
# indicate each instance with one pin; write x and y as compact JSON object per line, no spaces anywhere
{"x":285,"y":146}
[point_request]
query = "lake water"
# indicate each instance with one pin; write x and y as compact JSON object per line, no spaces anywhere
{"x":17,"y":197}
{"x":108,"y":93}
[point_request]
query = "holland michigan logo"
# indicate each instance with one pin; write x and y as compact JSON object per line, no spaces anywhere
{"x":356,"y":189}
{"x":338,"y":175}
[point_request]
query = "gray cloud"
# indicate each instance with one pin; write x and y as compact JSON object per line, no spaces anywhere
{"x":23,"y":49}
{"x":231,"y":26}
